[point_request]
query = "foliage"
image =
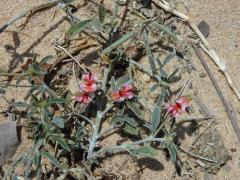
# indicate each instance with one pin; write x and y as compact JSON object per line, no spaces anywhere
{"x":62,"y":128}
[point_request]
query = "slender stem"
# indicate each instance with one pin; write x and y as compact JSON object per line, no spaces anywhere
{"x":10,"y":74}
{"x":14,"y":85}
{"x":166,"y":118}
{"x":69,"y":54}
{"x":197,"y":156}
{"x":84,"y":117}
{"x":105,"y":77}
{"x":128,"y":146}
{"x":96,"y":129}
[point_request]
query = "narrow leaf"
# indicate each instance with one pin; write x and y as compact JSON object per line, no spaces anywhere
{"x":169,"y":57}
{"x":63,"y":144}
{"x":134,"y":107}
{"x":123,"y":80}
{"x":45,"y":59}
{"x":77,"y":28}
{"x":155,"y":119}
{"x":56,"y":101}
{"x":149,"y":52}
{"x":59,"y":122}
{"x":145,"y":151}
{"x":166,"y":30}
{"x":113,"y":46}
{"x":172,"y":152}
{"x":52,"y":159}
{"x":131,"y":130}
{"x":101,"y":13}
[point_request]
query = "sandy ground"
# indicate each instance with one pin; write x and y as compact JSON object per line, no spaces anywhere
{"x":223,"y":19}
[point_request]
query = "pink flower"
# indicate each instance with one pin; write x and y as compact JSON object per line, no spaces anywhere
{"x":89,"y":84}
{"x":179,"y":107}
{"x":83,"y":98}
{"x":125,"y":92}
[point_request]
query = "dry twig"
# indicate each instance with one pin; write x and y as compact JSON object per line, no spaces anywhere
{"x":215,"y":84}
{"x":206,"y":46}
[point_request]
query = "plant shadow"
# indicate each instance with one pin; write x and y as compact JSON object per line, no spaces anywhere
{"x":19,"y":57}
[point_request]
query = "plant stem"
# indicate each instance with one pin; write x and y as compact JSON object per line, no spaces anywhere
{"x":161,"y":126}
{"x":96,"y":128}
{"x":105,"y":78}
{"x":127,"y":146}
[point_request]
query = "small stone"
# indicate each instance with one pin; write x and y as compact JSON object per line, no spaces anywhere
{"x":202,"y":75}
{"x":146,"y":78}
{"x":204,"y":28}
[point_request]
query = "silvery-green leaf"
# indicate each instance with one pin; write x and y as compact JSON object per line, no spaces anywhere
{"x":101,"y":13}
{"x":130,"y":129}
{"x":56,"y":101}
{"x":45,"y":59}
{"x":123,"y":80}
{"x":59,"y":122}
{"x":145,"y":151}
{"x":169,"y":57}
{"x":78,"y":27}
{"x":134,"y":107}
{"x":119,"y":42}
{"x":52,"y":159}
{"x":156,"y":116}
{"x":63,"y":143}
{"x":166,"y":30}
{"x":149,"y":52}
{"x":172,"y":152}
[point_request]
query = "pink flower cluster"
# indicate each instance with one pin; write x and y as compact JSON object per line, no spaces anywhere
{"x":125,"y":92}
{"x":180,"y":106}
{"x":88,"y":88}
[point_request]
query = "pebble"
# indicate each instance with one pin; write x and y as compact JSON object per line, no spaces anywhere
{"x":202,"y":75}
{"x":146,"y":78}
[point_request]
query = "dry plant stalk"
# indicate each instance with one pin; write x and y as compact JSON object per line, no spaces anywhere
{"x":205,"y":44}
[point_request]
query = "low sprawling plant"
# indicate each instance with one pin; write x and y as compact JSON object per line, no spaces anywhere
{"x":67,"y":128}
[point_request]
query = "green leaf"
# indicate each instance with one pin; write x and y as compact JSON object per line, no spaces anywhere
{"x":113,"y":83}
{"x":171,"y":77}
{"x":169,"y":57}
{"x":96,"y":25}
{"x":63,"y":144}
{"x":134,"y":107}
{"x":145,"y":151}
{"x":130,"y":121}
{"x":161,"y":97}
{"x":20,"y":104}
{"x":130,"y":129}
{"x":101,"y":13}
{"x":155,"y":119}
{"x":172,"y":152}
{"x":52,"y":159}
{"x":154,"y":87}
{"x":56,"y":101}
{"x":149,"y":53}
{"x":117,"y":43}
{"x":166,"y":30}
{"x":115,"y":11}
{"x":45,"y":59}
{"x":123,"y":80}
{"x":78,"y":27}
{"x":19,"y":80}
{"x":59,"y":122}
